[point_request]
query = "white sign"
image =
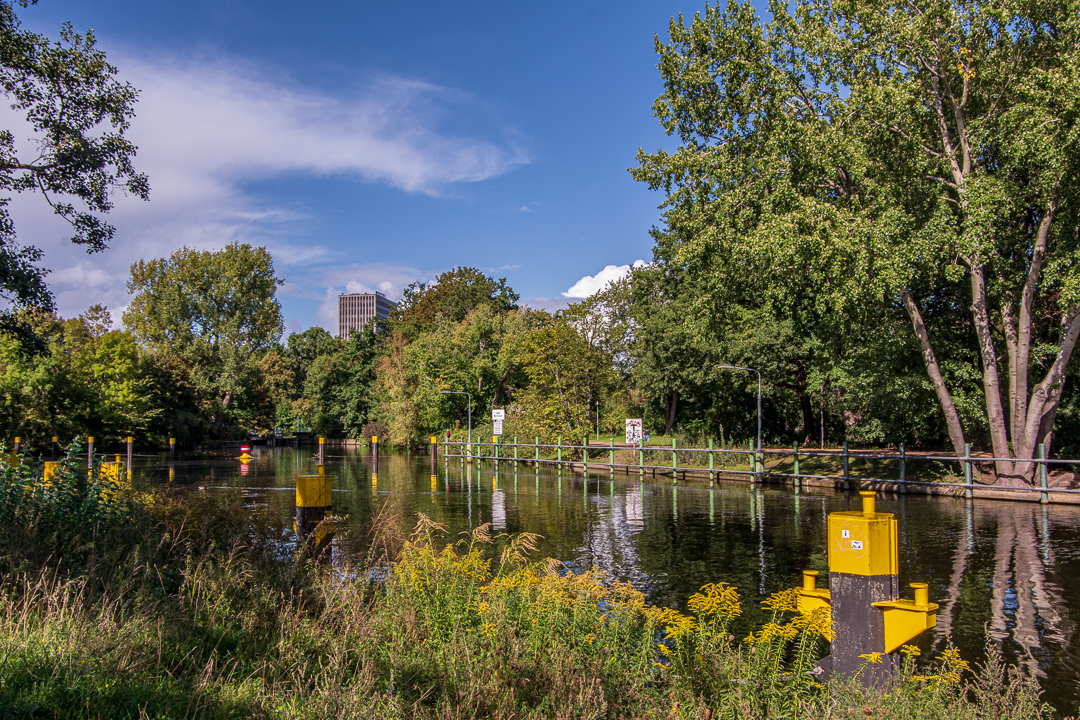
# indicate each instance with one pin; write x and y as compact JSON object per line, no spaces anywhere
{"x":498,"y":415}
{"x":498,"y":426}
{"x":633,"y":431}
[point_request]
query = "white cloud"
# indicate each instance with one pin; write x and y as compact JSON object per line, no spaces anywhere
{"x":207,"y":128}
{"x":525,"y":208}
{"x":592,"y":284}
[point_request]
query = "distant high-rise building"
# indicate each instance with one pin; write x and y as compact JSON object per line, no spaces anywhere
{"x":354,"y":310}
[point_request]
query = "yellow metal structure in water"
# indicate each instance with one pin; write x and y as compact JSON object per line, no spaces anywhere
{"x":864,"y":608}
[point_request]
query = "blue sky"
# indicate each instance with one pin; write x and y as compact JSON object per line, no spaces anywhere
{"x":372,"y":144}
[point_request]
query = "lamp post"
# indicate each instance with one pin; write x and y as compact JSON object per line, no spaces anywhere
{"x":735,"y":367}
{"x":459,"y":392}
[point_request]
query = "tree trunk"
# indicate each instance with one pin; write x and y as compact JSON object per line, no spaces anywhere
{"x":671,"y":401}
{"x":995,"y":415}
{"x":952,"y":417}
{"x":804,"y":404}
{"x":221,"y":415}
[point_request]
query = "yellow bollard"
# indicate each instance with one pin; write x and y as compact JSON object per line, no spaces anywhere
{"x":313,"y":503}
{"x":51,"y":468}
{"x":864,"y":609}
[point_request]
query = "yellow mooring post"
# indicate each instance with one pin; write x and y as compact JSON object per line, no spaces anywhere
{"x":55,"y":448}
{"x":374,"y":463}
{"x":90,"y":453}
{"x":13,"y":461}
{"x":434,"y":451}
{"x":130,"y":446}
{"x":863,"y":602}
{"x":322,"y":451}
{"x":313,"y":502}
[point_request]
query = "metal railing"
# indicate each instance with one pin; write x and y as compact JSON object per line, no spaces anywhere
{"x":596,"y":458}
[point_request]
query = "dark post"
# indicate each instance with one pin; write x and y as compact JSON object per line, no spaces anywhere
{"x":795,"y":455}
{"x":130,"y":446}
{"x":322,"y":450}
{"x":90,"y":452}
{"x":967,"y":471}
{"x":903,"y":469}
{"x":172,"y":450}
{"x":55,"y":448}
{"x":847,"y":468}
{"x":16,"y":448}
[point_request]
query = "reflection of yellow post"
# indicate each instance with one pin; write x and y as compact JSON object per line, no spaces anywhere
{"x":862,"y":601}
{"x":374,"y":482}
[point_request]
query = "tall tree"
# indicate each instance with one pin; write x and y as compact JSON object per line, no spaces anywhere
{"x":453,"y":294}
{"x":879,"y":150}
{"x":215,"y":309}
{"x":74,"y":152}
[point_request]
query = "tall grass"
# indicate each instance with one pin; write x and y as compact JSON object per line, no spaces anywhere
{"x":166,"y":607}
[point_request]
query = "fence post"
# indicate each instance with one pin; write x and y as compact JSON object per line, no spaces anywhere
{"x":559,"y":454}
{"x":967,"y":471}
{"x":712,"y":475}
{"x":753,"y":463}
{"x":536,"y":448}
{"x":515,"y":453}
{"x":903,"y":469}
{"x":585,"y":456}
{"x":641,"y":459}
{"x":847,"y":469}
{"x":795,"y":450}
{"x":674,"y":462}
{"x":1044,"y":496}
{"x":611,"y":450}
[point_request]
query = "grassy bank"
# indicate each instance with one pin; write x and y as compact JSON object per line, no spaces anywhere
{"x":115,"y":604}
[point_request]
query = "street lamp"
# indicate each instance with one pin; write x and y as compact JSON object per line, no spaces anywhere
{"x":735,"y":367}
{"x":459,"y":392}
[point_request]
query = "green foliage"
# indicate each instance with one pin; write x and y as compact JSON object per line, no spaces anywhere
{"x":215,"y":310}
{"x":567,"y":374}
{"x":476,"y":629}
{"x":75,"y":151}
{"x":453,"y":295}
{"x":843,"y":166}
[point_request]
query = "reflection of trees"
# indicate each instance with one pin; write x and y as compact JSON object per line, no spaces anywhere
{"x":1025,"y":606}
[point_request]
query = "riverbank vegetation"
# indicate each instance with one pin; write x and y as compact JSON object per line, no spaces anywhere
{"x":125,"y":605}
{"x":895,"y":261}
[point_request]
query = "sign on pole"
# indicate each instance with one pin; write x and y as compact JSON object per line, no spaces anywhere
{"x":498,"y":415}
{"x":633,"y":431}
{"x":498,"y":426}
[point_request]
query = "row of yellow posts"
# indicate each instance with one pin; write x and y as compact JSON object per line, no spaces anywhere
{"x":113,"y":470}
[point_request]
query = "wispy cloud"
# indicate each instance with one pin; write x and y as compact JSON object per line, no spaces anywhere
{"x":207,"y":128}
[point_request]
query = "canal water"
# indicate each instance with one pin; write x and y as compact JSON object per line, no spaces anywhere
{"x":1004,"y":573}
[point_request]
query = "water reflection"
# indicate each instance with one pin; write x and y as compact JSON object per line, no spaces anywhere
{"x":1003,"y":571}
